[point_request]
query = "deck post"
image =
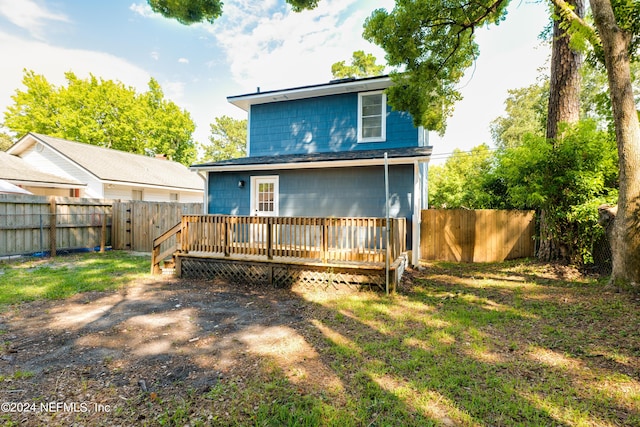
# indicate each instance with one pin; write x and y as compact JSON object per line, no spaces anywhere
{"x":226,"y":238}
{"x":269,"y":224}
{"x":325,"y":239}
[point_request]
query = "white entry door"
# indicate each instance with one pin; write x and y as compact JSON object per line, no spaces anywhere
{"x":264,"y":195}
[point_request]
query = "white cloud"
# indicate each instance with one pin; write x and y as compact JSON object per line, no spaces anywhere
{"x":142,"y":9}
{"x":183,"y":60}
{"x":155,"y":55}
{"x":52,"y":62}
{"x":29,"y":15}
{"x":267,"y":45}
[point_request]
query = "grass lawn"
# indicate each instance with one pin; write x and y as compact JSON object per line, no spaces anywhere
{"x":54,"y":278}
{"x":504,"y":344}
{"x":508,"y":344}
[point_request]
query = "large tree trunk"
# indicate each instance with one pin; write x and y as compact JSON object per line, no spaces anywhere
{"x":564,"y":107}
{"x":625,"y":233}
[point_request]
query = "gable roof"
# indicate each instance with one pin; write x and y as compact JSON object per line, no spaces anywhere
{"x":18,"y":171}
{"x":407,"y":155}
{"x":333,"y":87}
{"x":117,"y":166}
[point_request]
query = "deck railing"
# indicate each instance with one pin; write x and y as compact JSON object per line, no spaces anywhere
{"x":322,"y":239}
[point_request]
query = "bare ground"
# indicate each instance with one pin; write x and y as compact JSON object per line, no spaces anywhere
{"x":110,"y":356}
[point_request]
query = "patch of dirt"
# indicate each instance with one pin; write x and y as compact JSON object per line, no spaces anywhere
{"x":165,"y":338}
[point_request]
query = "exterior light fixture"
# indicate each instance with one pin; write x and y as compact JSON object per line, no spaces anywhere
{"x":241,"y":183}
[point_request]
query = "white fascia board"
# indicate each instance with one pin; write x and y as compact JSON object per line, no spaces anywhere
{"x":366,"y":85}
{"x":157,"y":187}
{"x":310,"y":165}
{"x":45,"y":184}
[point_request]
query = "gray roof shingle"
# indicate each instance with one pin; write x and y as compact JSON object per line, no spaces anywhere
{"x":17,"y":170}
{"x":113,"y":165}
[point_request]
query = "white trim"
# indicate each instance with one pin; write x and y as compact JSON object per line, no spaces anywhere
{"x":383,"y":117}
{"x":309,"y":165}
{"x":245,"y":101}
{"x":417,"y":214}
{"x":159,"y":187}
{"x":248,"y":146}
{"x":255,"y":181}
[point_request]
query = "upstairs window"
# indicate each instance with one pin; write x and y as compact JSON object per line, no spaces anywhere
{"x":372,"y":117}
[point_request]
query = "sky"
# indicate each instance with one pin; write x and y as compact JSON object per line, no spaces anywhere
{"x":254,"y":44}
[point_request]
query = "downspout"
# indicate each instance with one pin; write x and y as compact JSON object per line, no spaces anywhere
{"x":386,"y":205}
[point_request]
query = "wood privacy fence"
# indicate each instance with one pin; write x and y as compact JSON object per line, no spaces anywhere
{"x":39,"y":224}
{"x":138,"y":223}
{"x":476,"y":235}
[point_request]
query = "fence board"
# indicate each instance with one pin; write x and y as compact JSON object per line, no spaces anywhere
{"x":137,"y":223}
{"x":40,"y":224}
{"x":476,"y":235}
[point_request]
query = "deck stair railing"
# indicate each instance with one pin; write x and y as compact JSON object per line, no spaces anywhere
{"x":361,"y":240}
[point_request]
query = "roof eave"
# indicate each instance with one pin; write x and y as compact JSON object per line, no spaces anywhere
{"x":310,"y":165}
{"x":332,"y":88}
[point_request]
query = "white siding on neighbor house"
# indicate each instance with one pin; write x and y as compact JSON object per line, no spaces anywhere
{"x":50,"y":191}
{"x":124,"y":192}
{"x":50,"y":161}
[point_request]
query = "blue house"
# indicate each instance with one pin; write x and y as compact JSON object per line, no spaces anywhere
{"x":318,"y":151}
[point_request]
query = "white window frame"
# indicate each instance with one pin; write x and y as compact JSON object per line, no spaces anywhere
{"x":383,"y":118}
{"x":255,"y":183}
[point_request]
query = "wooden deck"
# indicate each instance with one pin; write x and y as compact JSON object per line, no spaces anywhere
{"x":286,"y":250}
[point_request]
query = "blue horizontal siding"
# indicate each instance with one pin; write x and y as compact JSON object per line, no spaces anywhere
{"x":322,"y":124}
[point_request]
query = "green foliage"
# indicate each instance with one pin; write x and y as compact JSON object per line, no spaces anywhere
{"x":567,"y":179}
{"x":105,"y":113}
{"x":362,"y":65}
{"x":228,"y":139}
{"x":460,"y":182}
{"x":5,"y":141}
{"x":526,"y":110}
{"x":188,"y":11}
{"x":433,"y":42}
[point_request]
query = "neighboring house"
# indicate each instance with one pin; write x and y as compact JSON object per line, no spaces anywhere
{"x":104,"y":173}
{"x":20,"y":173}
{"x":319,"y":151}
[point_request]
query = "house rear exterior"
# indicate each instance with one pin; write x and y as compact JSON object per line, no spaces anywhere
{"x":318,"y":151}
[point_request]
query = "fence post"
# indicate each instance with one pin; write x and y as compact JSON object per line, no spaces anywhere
{"x":103,"y":234}
{"x":52,"y":225}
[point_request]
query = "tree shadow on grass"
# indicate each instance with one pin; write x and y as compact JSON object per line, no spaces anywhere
{"x":175,"y":351}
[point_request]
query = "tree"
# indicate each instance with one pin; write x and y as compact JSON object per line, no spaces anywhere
{"x":228,"y":139}
{"x":189,"y":12}
{"x":362,"y":65}
{"x":568,"y":179}
{"x":526,"y":110}
{"x":5,"y":141}
{"x":104,"y":113}
{"x":619,"y":31}
{"x":461,"y":181}
{"x":434,"y":42}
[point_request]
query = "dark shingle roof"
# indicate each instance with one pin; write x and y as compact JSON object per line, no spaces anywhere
{"x":392,"y":153}
{"x":113,"y":165}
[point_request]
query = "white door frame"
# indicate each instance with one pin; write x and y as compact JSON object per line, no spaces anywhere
{"x":255,"y":186}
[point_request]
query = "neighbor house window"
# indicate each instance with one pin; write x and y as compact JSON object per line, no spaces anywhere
{"x":372,"y":109}
{"x":136,"y":194}
{"x":174,"y":197}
